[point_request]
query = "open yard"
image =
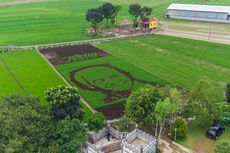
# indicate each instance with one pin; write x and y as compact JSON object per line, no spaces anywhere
{"x":198,"y":142}
{"x":180,"y":61}
{"x":52,"y":21}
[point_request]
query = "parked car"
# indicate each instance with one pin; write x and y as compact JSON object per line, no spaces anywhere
{"x":215,"y":131}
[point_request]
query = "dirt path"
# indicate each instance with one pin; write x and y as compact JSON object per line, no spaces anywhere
{"x":83,"y":100}
{"x":213,"y":32}
{"x":15,"y":2}
{"x":172,"y":147}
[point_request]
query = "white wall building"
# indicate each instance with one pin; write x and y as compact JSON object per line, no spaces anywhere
{"x":210,"y":13}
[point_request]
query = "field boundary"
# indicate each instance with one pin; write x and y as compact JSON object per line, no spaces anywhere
{"x":83,"y":100}
{"x":71,"y":43}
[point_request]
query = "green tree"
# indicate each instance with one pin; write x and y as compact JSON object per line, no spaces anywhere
{"x":141,"y":103}
{"x":124,"y":125}
{"x":203,"y":103}
{"x":145,"y":12}
{"x":161,"y":117}
{"x":115,"y":11}
{"x":135,"y":11}
{"x":179,"y":128}
{"x":70,"y":135}
{"x":96,"y":122}
{"x":64,"y":101}
{"x":165,"y":113}
{"x":25,"y":126}
{"x":222,"y":147}
{"x":95,"y":17}
{"x":108,"y":11}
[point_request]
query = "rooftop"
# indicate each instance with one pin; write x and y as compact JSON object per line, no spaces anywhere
{"x":195,"y":7}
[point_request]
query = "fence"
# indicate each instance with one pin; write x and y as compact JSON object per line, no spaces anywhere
{"x":72,"y":43}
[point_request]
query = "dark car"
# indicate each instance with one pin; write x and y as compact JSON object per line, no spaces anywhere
{"x":215,"y":131}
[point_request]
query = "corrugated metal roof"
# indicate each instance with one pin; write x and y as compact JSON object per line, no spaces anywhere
{"x":194,"y":7}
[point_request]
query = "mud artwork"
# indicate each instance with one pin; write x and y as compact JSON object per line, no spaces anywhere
{"x":57,"y":55}
{"x":115,"y":85}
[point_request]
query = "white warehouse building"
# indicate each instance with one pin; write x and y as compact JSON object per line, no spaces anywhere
{"x":210,"y":13}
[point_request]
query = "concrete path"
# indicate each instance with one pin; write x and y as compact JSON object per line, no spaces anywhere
{"x":172,"y":147}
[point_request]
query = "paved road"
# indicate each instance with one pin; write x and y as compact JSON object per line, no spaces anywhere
{"x":213,"y":32}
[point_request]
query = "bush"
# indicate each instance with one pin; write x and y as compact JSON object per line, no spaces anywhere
{"x":228,"y":93}
{"x":96,"y":122}
{"x":124,"y":125}
{"x":80,"y":57}
{"x":181,"y":127}
{"x":224,"y":119}
{"x":222,"y":147}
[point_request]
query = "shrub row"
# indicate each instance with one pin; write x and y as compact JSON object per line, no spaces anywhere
{"x":80,"y":57}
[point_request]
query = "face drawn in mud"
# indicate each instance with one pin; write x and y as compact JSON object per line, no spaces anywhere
{"x":108,"y":78}
{"x":111,"y":81}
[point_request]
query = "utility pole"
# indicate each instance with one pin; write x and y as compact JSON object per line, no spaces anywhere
{"x":175,"y":135}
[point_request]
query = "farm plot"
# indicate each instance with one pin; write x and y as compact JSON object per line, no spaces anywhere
{"x":104,"y":81}
{"x":30,"y":72}
{"x":178,"y":60}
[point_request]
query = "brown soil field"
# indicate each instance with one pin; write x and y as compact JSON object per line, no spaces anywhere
{"x":55,"y":55}
{"x":113,"y":111}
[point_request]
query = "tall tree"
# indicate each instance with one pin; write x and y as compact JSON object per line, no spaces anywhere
{"x":24,"y":125}
{"x":108,"y":11}
{"x":70,"y":135}
{"x":203,"y":103}
{"x":64,"y":101}
{"x":135,"y":11}
{"x":115,"y":11}
{"x":141,"y":103}
{"x":145,"y":12}
{"x":95,"y":17}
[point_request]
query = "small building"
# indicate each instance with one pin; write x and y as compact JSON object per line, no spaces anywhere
{"x":150,"y":24}
{"x":135,"y":142}
{"x":210,"y":13}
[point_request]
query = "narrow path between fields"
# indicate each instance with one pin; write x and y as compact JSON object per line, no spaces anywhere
{"x":15,"y":2}
{"x":12,"y":75}
{"x":82,"y":99}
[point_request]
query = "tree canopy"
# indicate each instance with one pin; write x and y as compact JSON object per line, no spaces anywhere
{"x":94,"y":16}
{"x":203,"y":103}
{"x":64,"y":101}
{"x":24,"y":125}
{"x":70,"y":135}
{"x":141,"y":103}
{"x":96,"y":122}
{"x":145,"y":12}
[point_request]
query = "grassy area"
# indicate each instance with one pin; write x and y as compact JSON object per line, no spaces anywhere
{"x":197,"y":141}
{"x":59,"y":21}
{"x":106,"y":79}
{"x":180,"y":61}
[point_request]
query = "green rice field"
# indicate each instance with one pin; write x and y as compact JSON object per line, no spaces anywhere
{"x":31,"y":71}
{"x":64,"y":20}
{"x":180,"y":61}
